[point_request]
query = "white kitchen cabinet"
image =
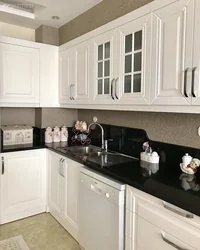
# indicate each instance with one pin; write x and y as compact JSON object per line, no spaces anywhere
{"x":49,"y":96}
{"x":74,"y":74}
{"x":154,"y":224}
{"x":103,"y":57}
{"x":63,"y":192}
{"x":71,"y":197}
{"x":132,"y":84}
{"x":172,"y":54}
{"x":22,"y":185}
{"x":19,"y":75}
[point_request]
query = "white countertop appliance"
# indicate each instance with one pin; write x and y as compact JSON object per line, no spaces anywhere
{"x":101,"y":212}
{"x":18,"y":134}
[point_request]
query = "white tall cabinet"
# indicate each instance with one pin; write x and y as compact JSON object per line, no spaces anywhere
{"x":64,"y":177}
{"x":22,"y":184}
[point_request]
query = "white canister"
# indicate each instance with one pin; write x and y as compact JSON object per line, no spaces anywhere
{"x":64,"y":134}
{"x":48,"y":135}
{"x":56,"y":134}
{"x":186,"y":159}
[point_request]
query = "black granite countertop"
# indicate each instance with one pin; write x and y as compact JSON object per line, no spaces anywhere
{"x":168,"y":183}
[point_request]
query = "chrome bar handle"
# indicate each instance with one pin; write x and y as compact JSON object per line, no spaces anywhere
{"x":112,"y":82}
{"x":60,"y":166}
{"x":185,"y":82}
{"x":73,"y":85}
{"x":171,"y":243}
{"x":3,"y":166}
{"x":70,"y":92}
{"x":63,"y":174}
{"x":179,"y":212}
{"x":193,"y":79}
{"x":116,"y":81}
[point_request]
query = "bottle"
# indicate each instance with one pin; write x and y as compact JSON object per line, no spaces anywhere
{"x":56,"y":134}
{"x":186,"y":159}
{"x":48,"y":135}
{"x":64,"y":134}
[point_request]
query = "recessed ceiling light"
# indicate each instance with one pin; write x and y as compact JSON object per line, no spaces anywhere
{"x":55,"y":17}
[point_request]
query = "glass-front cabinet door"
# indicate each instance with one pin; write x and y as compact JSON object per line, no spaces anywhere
{"x":133,"y":78}
{"x":102,"y":75}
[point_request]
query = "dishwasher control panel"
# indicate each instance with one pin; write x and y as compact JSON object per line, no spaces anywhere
{"x":112,"y":194}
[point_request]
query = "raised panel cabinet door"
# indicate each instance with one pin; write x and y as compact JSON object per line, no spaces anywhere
{"x":71,"y":197}
{"x":23,"y":185}
{"x":172,"y":54}
{"x":66,"y":76}
{"x":195,"y":82}
{"x":132,"y":85}
{"x":103,"y":61}
{"x":19,"y":74}
{"x":55,"y":185}
{"x":80,"y":88}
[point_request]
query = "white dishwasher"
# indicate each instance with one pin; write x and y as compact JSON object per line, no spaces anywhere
{"x":102,"y":202}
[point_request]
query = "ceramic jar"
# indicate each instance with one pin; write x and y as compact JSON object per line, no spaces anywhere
{"x":64,"y":134}
{"x":186,"y":159}
{"x":56,"y":134}
{"x":48,"y":135}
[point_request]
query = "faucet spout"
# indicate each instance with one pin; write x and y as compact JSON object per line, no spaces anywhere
{"x":102,"y":133}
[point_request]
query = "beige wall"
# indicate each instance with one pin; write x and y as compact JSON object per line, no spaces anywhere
{"x":48,"y":35}
{"x":99,"y":15}
{"x":16,"y":32}
{"x":17,"y":116}
{"x":180,"y":129}
{"x":57,"y":117}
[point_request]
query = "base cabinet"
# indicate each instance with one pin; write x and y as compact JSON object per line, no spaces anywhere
{"x":22,"y":185}
{"x":149,"y":226}
{"x":64,"y":177}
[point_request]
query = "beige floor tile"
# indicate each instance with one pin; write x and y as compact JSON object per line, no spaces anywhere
{"x":41,"y":232}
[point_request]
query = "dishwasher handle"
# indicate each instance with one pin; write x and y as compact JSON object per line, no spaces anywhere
{"x":96,"y":189}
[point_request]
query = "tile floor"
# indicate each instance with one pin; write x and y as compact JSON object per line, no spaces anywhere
{"x":41,"y":232}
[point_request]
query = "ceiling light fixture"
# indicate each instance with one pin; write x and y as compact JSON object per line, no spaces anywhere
{"x":6,"y":8}
{"x":55,"y":17}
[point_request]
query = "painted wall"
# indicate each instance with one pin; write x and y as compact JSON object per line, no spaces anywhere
{"x":16,"y":32}
{"x":102,"y":13}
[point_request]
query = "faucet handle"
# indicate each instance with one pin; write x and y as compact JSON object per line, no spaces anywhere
{"x":106,"y":145}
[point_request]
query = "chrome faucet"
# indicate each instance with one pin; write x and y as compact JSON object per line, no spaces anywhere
{"x":104,"y":144}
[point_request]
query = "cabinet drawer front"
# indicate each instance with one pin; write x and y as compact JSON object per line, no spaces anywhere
{"x":133,"y":196}
{"x":168,"y":225}
{"x":152,"y":237}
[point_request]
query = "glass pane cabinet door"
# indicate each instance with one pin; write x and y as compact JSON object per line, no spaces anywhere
{"x":103,"y":77}
{"x":103,"y":61}
{"x":134,"y":78}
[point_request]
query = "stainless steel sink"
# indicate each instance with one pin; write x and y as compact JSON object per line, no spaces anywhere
{"x":84,"y":150}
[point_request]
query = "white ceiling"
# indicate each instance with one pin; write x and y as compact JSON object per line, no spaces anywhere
{"x":45,"y":9}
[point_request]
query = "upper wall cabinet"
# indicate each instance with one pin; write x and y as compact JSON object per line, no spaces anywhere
{"x":74,"y":74}
{"x":132,"y":76}
{"x":103,"y":57}
{"x":172,"y":54}
{"x":19,"y":74}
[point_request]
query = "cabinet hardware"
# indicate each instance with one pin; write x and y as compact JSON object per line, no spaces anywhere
{"x":3,"y":167}
{"x":60,"y":166}
{"x":179,"y":212}
{"x":112,"y":88}
{"x":116,"y":81}
{"x":73,"y":85}
{"x":70,"y":92}
{"x":63,"y":173}
{"x":193,"y":79}
{"x":171,"y":243}
{"x":185,"y":82}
